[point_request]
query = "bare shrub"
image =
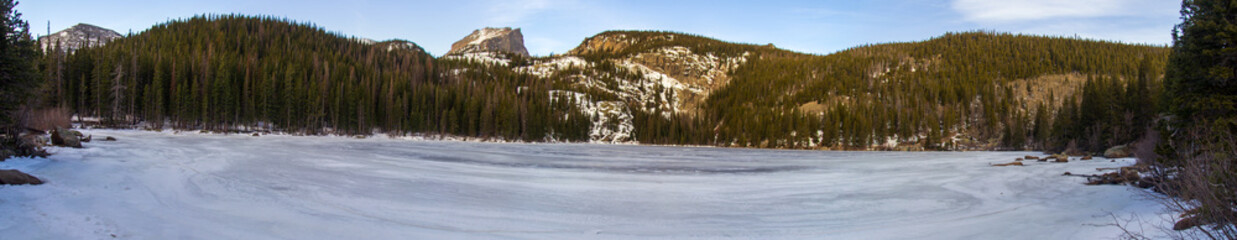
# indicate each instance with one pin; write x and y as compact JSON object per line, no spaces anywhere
{"x":1144,"y":148}
{"x":48,"y":119}
{"x":1072,"y":149}
{"x":1204,"y":184}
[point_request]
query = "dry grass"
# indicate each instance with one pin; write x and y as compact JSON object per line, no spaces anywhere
{"x":49,"y":118}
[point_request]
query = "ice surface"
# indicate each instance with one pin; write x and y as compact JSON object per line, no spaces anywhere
{"x":151,"y":185}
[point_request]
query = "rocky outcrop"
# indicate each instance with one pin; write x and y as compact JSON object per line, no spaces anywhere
{"x":487,"y":40}
{"x":79,"y":36}
{"x":1119,"y":151}
{"x":14,"y":177}
{"x":605,"y":43}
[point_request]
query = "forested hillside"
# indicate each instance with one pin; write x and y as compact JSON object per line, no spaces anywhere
{"x":962,"y":90}
{"x":974,"y":90}
{"x":228,"y":72}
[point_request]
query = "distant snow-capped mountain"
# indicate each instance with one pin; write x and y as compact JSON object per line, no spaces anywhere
{"x":79,"y":36}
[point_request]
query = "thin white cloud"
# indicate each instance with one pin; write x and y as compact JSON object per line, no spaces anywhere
{"x":1122,"y":32}
{"x":1131,"y":21}
{"x":1028,"y":10}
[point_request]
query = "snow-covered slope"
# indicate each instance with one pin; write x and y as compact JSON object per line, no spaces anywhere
{"x":611,"y":120}
{"x":154,"y":185}
{"x":78,"y":36}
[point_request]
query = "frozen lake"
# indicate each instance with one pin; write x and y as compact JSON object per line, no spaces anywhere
{"x":152,"y":185}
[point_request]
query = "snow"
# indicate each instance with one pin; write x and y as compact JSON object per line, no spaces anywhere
{"x":365,"y":41}
{"x":706,"y":66}
{"x":487,"y":58}
{"x":653,"y":90}
{"x":160,"y":185}
{"x":548,"y":68}
{"x":603,"y":113}
{"x":486,"y":34}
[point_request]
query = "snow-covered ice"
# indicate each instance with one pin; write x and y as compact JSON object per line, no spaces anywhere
{"x":152,"y":185}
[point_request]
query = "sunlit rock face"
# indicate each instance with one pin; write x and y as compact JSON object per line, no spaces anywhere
{"x":506,"y":40}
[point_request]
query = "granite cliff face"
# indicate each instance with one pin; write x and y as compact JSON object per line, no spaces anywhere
{"x":79,"y":36}
{"x":488,"y":40}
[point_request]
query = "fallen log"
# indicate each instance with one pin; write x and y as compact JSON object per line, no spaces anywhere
{"x":1016,"y":163}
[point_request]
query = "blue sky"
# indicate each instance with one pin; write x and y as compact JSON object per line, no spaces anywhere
{"x":555,"y":26}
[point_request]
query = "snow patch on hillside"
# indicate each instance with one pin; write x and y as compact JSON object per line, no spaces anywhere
{"x":405,"y":46}
{"x":486,"y":34}
{"x":487,"y":58}
{"x":654,"y":90}
{"x":365,"y":41}
{"x":705,"y":66}
{"x":548,"y":68}
{"x":611,"y":120}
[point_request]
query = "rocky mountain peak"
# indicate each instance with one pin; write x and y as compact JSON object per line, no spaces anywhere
{"x":603,"y":43}
{"x":78,"y":36}
{"x":491,"y":40}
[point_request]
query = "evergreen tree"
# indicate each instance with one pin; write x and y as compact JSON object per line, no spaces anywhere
{"x":19,"y":77}
{"x":1201,"y":73}
{"x":1201,"y":82}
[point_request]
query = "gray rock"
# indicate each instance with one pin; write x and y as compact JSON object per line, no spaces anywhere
{"x":14,"y":177}
{"x":35,"y":140}
{"x":1119,"y":151}
{"x":491,"y":40}
{"x":66,"y":138}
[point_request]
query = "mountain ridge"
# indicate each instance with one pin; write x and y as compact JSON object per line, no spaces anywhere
{"x":78,"y":36}
{"x":954,"y":92}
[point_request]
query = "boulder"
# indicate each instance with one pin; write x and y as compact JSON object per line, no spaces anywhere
{"x":14,"y":177}
{"x":256,"y":134}
{"x":34,"y":140}
{"x":109,"y":138}
{"x":1187,"y":223}
{"x":66,"y":138}
{"x":1085,"y":158}
{"x":87,"y":138}
{"x":1029,"y":157}
{"x":1119,"y":151}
